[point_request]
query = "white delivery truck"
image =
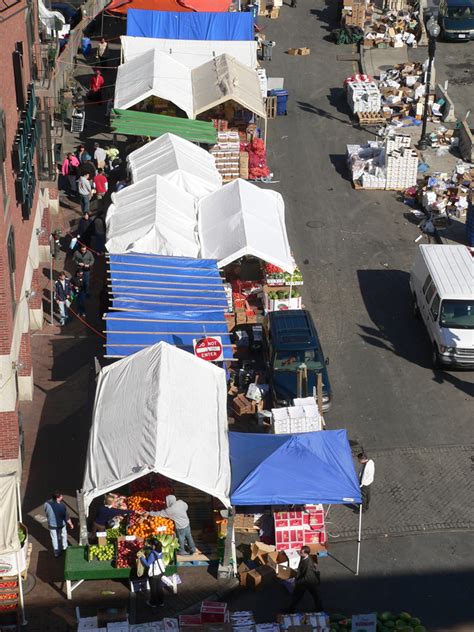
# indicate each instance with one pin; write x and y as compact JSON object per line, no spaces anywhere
{"x":442,"y":284}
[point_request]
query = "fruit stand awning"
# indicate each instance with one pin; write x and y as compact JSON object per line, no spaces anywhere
{"x":177,"y":160}
{"x":314,"y":467}
{"x":122,"y":6}
{"x":241,"y":219}
{"x":191,"y":53}
{"x":160,"y":410}
{"x":190,"y":26}
{"x":152,"y":216}
{"x":133,"y":123}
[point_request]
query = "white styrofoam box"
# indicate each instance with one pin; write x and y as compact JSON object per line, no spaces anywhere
{"x":87,"y":623}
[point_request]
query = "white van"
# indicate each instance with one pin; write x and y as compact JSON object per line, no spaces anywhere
{"x":442,"y":284}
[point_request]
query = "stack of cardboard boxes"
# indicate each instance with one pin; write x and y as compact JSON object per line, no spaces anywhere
{"x":227,"y":154}
{"x":363,"y":96}
{"x":401,"y":163}
{"x":354,"y":13}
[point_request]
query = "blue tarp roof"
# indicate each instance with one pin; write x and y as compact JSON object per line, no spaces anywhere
{"x":190,"y":26}
{"x":175,"y":299}
{"x":314,"y":467}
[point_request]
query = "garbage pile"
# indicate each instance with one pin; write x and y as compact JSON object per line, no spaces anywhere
{"x":448,"y":194}
{"x":393,"y":28}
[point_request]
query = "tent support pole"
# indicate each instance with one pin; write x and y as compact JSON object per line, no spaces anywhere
{"x":265,"y":134}
{"x":229,"y":550}
{"x":359,"y":538}
{"x":18,"y":499}
{"x":83,"y":536}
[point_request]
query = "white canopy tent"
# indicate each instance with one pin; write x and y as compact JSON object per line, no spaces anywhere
{"x":159,"y":410}
{"x":194,"y":90}
{"x":242,"y":219}
{"x":153,"y":216}
{"x":191,"y":53}
{"x":179,"y":161}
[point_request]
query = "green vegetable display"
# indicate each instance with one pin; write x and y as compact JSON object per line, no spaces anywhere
{"x":386,"y":622}
{"x":102,"y":553}
{"x":169,"y":545}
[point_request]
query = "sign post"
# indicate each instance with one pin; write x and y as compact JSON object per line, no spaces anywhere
{"x":209,"y":348}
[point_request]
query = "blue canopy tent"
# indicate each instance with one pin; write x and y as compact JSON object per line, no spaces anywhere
{"x":190,"y":26}
{"x":314,"y":467}
{"x":155,"y":298}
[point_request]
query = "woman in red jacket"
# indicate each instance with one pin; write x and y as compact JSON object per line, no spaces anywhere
{"x":95,"y":85}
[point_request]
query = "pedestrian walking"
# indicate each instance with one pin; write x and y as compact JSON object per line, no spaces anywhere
{"x":293,"y":4}
{"x":177,"y":511}
{"x":62,"y":296}
{"x":99,"y":235}
{"x":82,"y":154}
{"x":155,"y":567}
{"x":58,"y":517}
{"x":77,"y":285}
{"x":84,"y":260}
{"x":85,"y":192}
{"x":85,"y":229}
{"x":102,"y":52}
{"x":101,"y":183}
{"x":307,"y":579}
{"x":96,"y":84}
{"x":69,"y":170}
{"x":366,"y":478}
{"x":99,"y":156}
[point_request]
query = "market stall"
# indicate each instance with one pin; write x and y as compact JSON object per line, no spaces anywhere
{"x":190,"y":26}
{"x":172,"y":299}
{"x":152,"y":216}
{"x":191,"y":53}
{"x":273,"y":470}
{"x":121,"y":7}
{"x":179,"y":161}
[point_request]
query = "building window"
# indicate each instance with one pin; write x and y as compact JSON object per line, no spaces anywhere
{"x":3,"y":155}
{"x":18,"y":75}
{"x":12,"y":264}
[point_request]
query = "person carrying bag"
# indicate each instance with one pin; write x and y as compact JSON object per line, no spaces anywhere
{"x":153,"y":563}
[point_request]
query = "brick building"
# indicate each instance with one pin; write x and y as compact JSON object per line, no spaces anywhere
{"x":24,"y":217}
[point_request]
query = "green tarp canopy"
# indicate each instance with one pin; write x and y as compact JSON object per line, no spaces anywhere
{"x":143,"y":124}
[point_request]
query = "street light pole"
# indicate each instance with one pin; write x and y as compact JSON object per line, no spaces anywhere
{"x":433,"y":31}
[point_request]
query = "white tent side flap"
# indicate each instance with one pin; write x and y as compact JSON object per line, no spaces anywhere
{"x":153,"y":216}
{"x":9,"y":541}
{"x":160,"y":410}
{"x":178,"y":161}
{"x":191,"y":53}
{"x":242,"y":219}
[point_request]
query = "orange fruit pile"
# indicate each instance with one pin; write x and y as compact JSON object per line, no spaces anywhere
{"x":151,"y":525}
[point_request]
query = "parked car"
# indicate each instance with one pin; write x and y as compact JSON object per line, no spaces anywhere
{"x":456,"y":19}
{"x":442,"y":284}
{"x":294,"y":357}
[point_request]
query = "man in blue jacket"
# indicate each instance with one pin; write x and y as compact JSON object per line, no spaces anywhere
{"x":62,"y":296}
{"x":58,"y":517}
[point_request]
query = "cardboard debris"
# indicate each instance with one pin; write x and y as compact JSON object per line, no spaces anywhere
{"x":299,"y":51}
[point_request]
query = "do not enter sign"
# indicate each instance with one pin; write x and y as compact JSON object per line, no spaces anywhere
{"x":209,"y":349}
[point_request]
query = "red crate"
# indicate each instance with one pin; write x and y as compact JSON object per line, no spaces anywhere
{"x":213,"y":612}
{"x":190,"y":619}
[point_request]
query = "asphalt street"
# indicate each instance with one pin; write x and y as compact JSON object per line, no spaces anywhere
{"x":455,"y":64}
{"x":355,"y":250}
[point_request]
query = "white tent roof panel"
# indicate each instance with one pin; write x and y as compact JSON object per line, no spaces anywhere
{"x":153,"y":216}
{"x":160,"y":410}
{"x":242,"y":219}
{"x":191,"y":53}
{"x":179,"y":161}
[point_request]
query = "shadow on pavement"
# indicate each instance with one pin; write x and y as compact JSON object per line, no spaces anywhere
{"x":313,"y":109}
{"x":339,"y":163}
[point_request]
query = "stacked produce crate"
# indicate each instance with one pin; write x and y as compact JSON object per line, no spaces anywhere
{"x":401,"y":163}
{"x":227,"y":154}
{"x":363,"y":96}
{"x":354,"y":13}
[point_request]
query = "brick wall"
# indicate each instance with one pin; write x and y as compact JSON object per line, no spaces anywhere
{"x":46,"y":228}
{"x":9,"y":443}
{"x":25,"y":355}
{"x":36,"y":300}
{"x":6,"y":313}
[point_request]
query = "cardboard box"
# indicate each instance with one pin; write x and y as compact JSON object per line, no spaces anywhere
{"x":259,"y":577}
{"x":292,"y":51}
{"x":213,"y":612}
{"x":241,"y":405}
{"x":260,"y":550}
{"x":274,"y":558}
{"x":304,"y":51}
{"x":285,"y":573}
{"x":189,"y":620}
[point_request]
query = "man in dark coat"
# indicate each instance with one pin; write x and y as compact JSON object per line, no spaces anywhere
{"x":307,"y":579}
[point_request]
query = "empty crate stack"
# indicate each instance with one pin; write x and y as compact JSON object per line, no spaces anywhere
{"x":401,"y":163}
{"x":227,"y":154}
{"x":363,"y":97}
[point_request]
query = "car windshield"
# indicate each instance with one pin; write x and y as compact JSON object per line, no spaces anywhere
{"x":460,"y":13}
{"x":291,"y":360}
{"x":457,"y":314}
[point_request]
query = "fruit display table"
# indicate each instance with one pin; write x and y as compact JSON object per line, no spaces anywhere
{"x":77,"y":569}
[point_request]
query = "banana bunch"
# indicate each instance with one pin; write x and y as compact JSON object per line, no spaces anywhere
{"x":169,"y":545}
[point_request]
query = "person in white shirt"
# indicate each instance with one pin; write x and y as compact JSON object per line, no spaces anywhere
{"x":99,"y":156}
{"x":366,"y":478}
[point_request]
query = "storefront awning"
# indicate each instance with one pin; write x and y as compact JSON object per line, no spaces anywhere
{"x":160,"y":410}
{"x":133,"y":123}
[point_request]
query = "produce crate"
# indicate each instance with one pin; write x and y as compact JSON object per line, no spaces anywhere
{"x":370,"y":118}
{"x":271,"y":107}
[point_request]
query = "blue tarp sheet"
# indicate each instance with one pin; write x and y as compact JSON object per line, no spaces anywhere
{"x":190,"y":26}
{"x":314,"y":467}
{"x":175,"y":299}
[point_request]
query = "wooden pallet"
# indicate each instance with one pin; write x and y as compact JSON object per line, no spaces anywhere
{"x":271,"y":107}
{"x":370,"y":118}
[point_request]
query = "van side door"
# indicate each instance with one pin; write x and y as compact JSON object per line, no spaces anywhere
{"x":426,"y":298}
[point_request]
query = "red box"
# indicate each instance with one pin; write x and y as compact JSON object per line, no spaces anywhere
{"x":316,"y":520}
{"x":311,"y":537}
{"x":213,"y":612}
{"x":190,"y":619}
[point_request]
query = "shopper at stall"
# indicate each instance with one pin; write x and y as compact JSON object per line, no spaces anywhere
{"x":85,"y":229}
{"x":307,"y":579}
{"x":153,"y":563}
{"x":177,"y":511}
{"x":99,"y":156}
{"x":102,"y":52}
{"x":84,"y":260}
{"x":85,"y":192}
{"x":77,"y":284}
{"x":366,"y":478}
{"x":58,"y":517}
{"x":62,"y":296}
{"x":96,"y":84}
{"x":69,"y":170}
{"x":82,"y":154}
{"x":106,"y":513}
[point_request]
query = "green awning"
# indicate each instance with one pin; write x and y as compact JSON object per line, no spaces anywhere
{"x":144,"y":124}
